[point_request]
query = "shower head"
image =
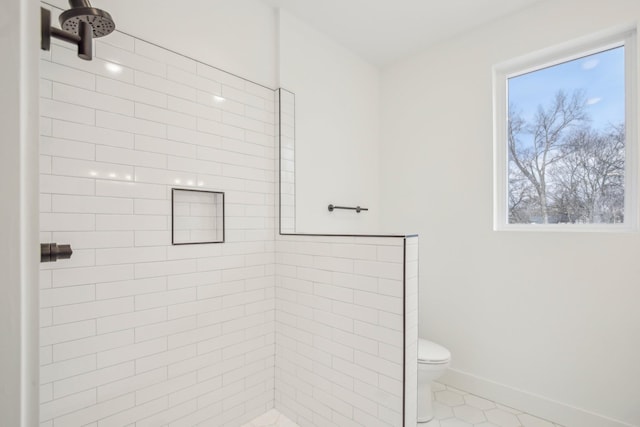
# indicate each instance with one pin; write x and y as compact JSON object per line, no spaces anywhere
{"x":82,"y":11}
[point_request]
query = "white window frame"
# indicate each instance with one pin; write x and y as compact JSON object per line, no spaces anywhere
{"x":626,"y":37}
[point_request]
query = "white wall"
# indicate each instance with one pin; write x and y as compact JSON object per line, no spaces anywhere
{"x":134,"y":329}
{"x":337,"y":116}
{"x":237,"y":36}
{"x":551,"y":314}
{"x":336,"y":92}
{"x":18,"y":215}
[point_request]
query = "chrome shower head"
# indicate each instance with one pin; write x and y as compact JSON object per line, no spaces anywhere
{"x":81,"y":10}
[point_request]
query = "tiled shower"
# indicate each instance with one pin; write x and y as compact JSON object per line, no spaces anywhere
{"x":136,"y":331}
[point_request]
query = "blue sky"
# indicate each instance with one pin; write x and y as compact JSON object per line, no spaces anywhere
{"x":601,"y":76}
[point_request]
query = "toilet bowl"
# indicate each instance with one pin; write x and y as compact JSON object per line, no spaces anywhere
{"x":433,"y":361}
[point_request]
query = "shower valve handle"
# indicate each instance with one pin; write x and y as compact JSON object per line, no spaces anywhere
{"x":52,"y":252}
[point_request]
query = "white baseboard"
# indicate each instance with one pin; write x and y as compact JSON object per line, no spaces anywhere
{"x":539,"y":406}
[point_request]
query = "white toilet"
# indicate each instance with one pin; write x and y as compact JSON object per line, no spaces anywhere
{"x":433,"y":360}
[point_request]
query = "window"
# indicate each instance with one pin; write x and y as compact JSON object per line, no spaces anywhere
{"x":564,"y":149}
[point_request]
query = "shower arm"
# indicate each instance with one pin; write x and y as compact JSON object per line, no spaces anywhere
{"x":83,"y":41}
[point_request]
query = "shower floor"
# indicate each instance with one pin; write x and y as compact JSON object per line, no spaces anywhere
{"x":273,"y":418}
{"x":452,"y":408}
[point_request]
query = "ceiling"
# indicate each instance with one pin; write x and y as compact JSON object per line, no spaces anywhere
{"x":383,"y":31}
{"x":379,"y":31}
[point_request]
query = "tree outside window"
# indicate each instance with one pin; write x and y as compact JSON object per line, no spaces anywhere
{"x":566,"y":142}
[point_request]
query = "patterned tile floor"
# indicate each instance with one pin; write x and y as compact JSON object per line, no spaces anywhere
{"x":456,"y":408}
{"x":451,"y":407}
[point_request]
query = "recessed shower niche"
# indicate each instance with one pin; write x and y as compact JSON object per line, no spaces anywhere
{"x":197,"y":216}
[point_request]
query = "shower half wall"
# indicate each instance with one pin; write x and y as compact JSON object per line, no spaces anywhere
{"x":135,"y":331}
{"x":346,"y":321}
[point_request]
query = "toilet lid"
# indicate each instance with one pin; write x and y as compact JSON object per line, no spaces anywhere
{"x":431,"y":352}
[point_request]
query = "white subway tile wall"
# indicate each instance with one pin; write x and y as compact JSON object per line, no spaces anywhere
{"x":411,"y":272}
{"x":136,"y":331}
{"x":287,"y":139}
{"x":340,"y":330}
